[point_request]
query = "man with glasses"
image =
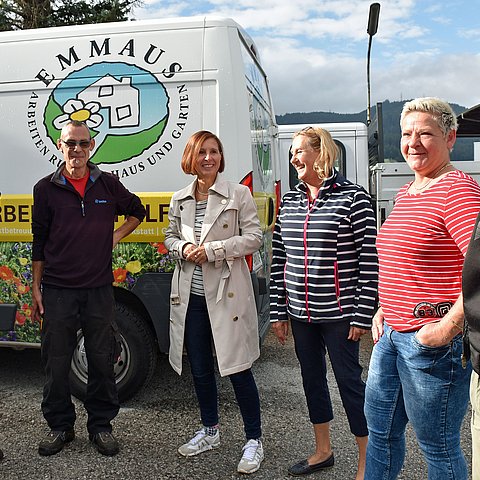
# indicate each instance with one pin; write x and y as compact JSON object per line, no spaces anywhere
{"x":73,"y":236}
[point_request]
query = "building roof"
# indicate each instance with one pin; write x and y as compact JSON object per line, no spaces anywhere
{"x":469,"y":122}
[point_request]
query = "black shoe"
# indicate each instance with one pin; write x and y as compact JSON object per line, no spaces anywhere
{"x":303,"y":468}
{"x":54,"y":441}
{"x":105,"y":442}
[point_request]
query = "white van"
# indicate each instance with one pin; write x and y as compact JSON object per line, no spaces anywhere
{"x":352,"y":142}
{"x":143,"y":88}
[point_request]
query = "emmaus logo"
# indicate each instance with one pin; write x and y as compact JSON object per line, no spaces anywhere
{"x":126,"y":106}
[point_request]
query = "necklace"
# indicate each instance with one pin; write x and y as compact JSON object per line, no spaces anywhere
{"x":448,"y":164}
{"x":205,"y":194}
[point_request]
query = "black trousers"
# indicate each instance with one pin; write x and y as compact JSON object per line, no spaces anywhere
{"x":312,"y":341}
{"x":66,"y":310}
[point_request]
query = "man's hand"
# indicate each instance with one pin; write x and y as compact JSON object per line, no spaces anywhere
{"x":37,"y":305}
{"x":37,"y":299}
{"x":127,"y":227}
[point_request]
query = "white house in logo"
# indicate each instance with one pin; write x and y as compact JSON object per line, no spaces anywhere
{"x":125,"y":107}
{"x":119,"y":96}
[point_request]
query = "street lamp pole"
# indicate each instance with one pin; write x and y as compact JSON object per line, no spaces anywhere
{"x":371,"y":30}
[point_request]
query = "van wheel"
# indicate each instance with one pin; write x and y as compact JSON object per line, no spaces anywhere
{"x":136,"y":363}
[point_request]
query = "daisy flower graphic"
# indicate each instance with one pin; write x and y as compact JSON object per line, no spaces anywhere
{"x":75,"y":109}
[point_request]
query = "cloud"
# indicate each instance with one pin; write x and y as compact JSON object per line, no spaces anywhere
{"x":307,"y":79}
{"x":310,"y":19}
{"x":442,"y":20}
{"x":472,"y":34}
{"x":154,"y":9}
{"x":314,"y":51}
{"x":451,"y":77}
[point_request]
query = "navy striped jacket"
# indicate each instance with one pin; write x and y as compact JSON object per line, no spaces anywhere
{"x":324,"y":265}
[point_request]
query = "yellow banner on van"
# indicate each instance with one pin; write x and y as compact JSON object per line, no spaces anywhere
{"x":153,"y":227}
{"x":16,"y":218}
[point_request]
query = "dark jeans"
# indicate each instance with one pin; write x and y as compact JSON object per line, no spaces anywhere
{"x":198,"y":342}
{"x":66,"y":310}
{"x":312,"y":340}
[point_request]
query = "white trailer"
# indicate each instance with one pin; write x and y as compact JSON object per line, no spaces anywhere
{"x":382,"y":180}
{"x":352,"y":142}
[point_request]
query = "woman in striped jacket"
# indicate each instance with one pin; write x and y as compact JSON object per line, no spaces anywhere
{"x":324,"y":279}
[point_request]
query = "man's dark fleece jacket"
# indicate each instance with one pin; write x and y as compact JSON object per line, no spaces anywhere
{"x":74,"y":235}
{"x":471,"y":298}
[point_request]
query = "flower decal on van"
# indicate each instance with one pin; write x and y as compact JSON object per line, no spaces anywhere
{"x":79,"y":111}
{"x":125,"y":106}
{"x":15,"y":287}
{"x":132,"y":260}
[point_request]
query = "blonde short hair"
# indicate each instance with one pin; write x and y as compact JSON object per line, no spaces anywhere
{"x":440,"y":111}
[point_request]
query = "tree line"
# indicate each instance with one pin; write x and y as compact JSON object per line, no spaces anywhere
{"x":463,"y":149}
{"x":25,"y":14}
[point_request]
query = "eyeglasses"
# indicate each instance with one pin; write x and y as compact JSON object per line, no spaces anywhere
{"x":71,"y":144}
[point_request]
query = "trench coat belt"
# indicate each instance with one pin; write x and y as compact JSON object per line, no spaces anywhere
{"x":174,"y":290}
{"x":226,"y":271}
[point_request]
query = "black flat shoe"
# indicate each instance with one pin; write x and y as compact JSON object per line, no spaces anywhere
{"x":303,"y":468}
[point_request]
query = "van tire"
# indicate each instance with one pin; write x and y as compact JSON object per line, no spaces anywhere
{"x":137,"y":361}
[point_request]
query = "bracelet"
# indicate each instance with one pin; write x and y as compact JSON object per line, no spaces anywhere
{"x":457,"y":325}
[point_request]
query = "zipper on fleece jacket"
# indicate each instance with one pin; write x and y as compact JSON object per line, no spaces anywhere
{"x":305,"y":260}
{"x":88,"y":186}
{"x":305,"y":267}
{"x":67,"y":185}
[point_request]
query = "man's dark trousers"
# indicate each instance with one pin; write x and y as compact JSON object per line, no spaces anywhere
{"x":67,"y":310}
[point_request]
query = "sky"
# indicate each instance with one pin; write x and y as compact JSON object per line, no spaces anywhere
{"x":315,"y":51}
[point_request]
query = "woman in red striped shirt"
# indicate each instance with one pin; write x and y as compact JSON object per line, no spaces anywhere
{"x":416,"y":373}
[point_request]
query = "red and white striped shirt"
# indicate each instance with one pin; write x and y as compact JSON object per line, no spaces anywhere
{"x":421,"y":248}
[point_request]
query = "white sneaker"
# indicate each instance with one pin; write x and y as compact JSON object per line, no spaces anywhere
{"x":201,"y":442}
{"x":252,"y":457}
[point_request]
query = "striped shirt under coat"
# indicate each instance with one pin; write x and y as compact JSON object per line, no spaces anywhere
{"x":325,"y":265}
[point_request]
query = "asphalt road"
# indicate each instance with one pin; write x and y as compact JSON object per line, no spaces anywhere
{"x":165,"y":414}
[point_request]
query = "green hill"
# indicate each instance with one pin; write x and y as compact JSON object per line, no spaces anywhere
{"x":463,"y":149}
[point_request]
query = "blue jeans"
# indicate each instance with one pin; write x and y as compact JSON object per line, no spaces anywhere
{"x":198,"y":343}
{"x":408,"y":381}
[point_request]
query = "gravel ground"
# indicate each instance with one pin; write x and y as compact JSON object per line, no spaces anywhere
{"x":164,"y":414}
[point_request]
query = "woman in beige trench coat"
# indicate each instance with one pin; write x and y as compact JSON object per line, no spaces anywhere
{"x":213,"y":225}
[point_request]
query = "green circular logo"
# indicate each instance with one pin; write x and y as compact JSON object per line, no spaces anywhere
{"x":125,"y":107}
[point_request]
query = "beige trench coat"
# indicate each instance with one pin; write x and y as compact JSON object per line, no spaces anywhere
{"x":230,"y":231}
